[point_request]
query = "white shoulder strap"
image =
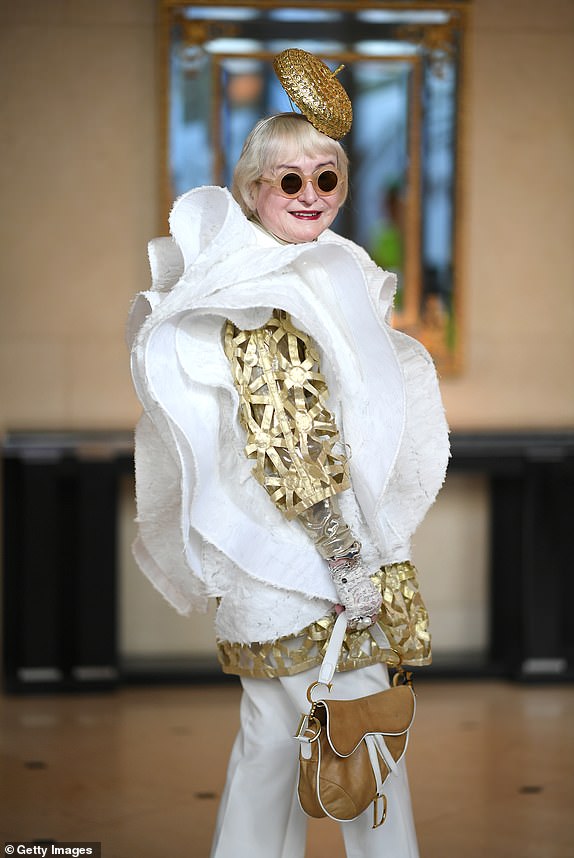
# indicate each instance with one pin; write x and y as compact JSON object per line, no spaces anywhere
{"x":333,"y":650}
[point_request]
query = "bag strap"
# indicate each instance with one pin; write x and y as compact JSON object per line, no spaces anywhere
{"x":333,"y":650}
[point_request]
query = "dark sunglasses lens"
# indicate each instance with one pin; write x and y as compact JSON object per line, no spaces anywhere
{"x":291,"y":183}
{"x":327,"y":181}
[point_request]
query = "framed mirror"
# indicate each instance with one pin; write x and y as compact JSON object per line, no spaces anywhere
{"x":404,"y":74}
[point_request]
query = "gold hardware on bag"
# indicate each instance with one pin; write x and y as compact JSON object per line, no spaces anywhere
{"x":301,"y":729}
{"x":313,"y":685}
{"x":403,"y":677}
{"x":378,"y":798}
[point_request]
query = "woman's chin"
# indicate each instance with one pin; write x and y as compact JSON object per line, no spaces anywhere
{"x":299,"y":229}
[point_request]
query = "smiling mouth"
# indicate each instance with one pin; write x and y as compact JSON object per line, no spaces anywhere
{"x":312,"y":215}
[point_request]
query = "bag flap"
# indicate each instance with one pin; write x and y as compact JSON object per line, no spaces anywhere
{"x":388,"y":712}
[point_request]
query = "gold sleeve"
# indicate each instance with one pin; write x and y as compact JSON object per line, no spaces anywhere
{"x":291,"y":434}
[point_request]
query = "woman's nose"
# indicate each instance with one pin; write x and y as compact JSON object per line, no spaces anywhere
{"x":308,"y":192}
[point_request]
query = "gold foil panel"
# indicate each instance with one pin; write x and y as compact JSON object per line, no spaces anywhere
{"x":404,"y":619}
{"x":291,"y":434}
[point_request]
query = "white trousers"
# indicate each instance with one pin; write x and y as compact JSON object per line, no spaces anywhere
{"x":259,"y":815}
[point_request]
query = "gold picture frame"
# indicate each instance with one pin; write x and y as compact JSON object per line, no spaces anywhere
{"x":417,"y":43}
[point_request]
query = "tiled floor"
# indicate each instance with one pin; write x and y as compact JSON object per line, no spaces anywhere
{"x":491,"y":768}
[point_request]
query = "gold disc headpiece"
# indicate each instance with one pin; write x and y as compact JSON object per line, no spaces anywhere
{"x":315,"y":90}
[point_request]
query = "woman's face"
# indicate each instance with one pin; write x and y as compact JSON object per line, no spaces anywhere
{"x":300,"y":218}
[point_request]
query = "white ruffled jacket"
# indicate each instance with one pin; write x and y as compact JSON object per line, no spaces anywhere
{"x":206,"y":528}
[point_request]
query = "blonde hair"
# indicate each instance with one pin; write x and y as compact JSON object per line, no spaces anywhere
{"x":265,"y":146}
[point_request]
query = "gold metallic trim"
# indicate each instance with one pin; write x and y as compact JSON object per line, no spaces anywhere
{"x":404,"y":619}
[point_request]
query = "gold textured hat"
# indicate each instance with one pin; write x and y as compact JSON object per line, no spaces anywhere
{"x":315,"y":90}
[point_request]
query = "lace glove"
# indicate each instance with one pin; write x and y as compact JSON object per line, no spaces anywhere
{"x":335,"y":542}
{"x":355,"y":590}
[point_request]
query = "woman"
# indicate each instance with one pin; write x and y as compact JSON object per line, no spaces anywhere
{"x":291,"y":442}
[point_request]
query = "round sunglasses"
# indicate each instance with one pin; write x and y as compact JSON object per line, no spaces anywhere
{"x":290,"y":183}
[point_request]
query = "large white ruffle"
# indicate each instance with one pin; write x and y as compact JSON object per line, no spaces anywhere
{"x":194,"y":487}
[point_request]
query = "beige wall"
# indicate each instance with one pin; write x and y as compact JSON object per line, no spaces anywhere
{"x":79,"y":168}
{"x":518,"y":219}
{"x":78,"y":162}
{"x":79,"y":190}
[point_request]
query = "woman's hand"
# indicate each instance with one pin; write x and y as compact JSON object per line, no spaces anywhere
{"x":357,"y":593}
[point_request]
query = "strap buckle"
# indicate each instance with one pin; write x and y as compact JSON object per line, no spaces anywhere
{"x":308,"y":723}
{"x":383,"y":815}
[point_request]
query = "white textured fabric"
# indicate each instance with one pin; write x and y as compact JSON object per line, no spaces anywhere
{"x":206,"y":528}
